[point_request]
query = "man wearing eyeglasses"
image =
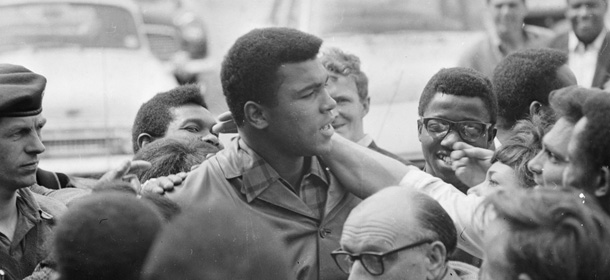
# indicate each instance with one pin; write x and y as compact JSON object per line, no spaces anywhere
{"x":400,"y":234}
{"x":457,"y":105}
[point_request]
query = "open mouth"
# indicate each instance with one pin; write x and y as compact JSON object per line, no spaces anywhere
{"x":327,"y":130}
{"x":445,"y":158}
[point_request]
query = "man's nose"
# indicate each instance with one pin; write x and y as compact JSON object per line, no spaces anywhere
{"x":451,"y":138}
{"x":357,"y":272}
{"x":35,"y":145}
{"x":535,"y":164}
{"x":328,"y":103}
{"x":211,"y":139}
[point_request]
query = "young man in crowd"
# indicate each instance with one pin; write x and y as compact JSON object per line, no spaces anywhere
{"x":457,"y":105}
{"x":411,"y":231}
{"x":275,"y":87}
{"x":348,"y":86}
{"x":180,"y":112}
{"x":26,"y":219}
{"x":523,"y":81}
{"x":586,"y":42}
{"x":509,"y":34}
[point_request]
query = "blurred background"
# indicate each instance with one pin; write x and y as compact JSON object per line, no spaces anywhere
{"x":104,"y":58}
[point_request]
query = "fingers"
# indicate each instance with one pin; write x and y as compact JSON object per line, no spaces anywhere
{"x":225,"y":124}
{"x":138,"y":165}
{"x":164,"y":184}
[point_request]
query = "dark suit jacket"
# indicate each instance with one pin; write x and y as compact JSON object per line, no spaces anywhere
{"x":602,"y":69}
{"x":376,"y":148}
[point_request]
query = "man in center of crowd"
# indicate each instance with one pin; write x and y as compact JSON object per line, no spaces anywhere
{"x":275,"y":89}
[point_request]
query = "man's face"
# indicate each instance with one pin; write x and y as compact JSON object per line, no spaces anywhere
{"x":20,"y":145}
{"x":499,"y":175}
{"x":350,"y":108}
{"x":437,"y":150}
{"x":549,"y":164}
{"x":577,"y":174}
{"x":587,"y":18}
{"x":371,"y":232}
{"x":300,"y":123}
{"x":508,"y":15}
{"x":189,"y":120}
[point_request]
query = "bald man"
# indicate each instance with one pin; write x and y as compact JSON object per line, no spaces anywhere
{"x":398,"y":233}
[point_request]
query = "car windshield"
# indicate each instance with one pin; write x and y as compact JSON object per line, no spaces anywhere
{"x":382,"y":16}
{"x":47,"y":25}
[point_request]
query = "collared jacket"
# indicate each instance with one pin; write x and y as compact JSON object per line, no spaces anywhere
{"x":232,"y":177}
{"x":31,"y":242}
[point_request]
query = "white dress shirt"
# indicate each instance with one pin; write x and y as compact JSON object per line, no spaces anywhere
{"x":583,"y":59}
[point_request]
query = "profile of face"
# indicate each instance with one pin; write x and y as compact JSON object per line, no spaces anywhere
{"x":350,"y":109}
{"x":499,"y":175}
{"x":189,"y":120}
{"x":578,"y":173}
{"x":587,"y":18}
{"x":549,"y":164}
{"x":380,"y":232}
{"x":508,"y":15}
{"x":300,"y":122}
{"x":438,"y":147}
{"x":20,"y":145}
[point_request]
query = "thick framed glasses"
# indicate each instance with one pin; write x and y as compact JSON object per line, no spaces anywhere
{"x":469,"y":131}
{"x":371,"y":261}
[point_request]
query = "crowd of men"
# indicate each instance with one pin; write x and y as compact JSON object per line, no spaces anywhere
{"x":516,"y":182}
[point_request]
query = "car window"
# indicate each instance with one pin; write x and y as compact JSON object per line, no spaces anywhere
{"x":43,"y":25}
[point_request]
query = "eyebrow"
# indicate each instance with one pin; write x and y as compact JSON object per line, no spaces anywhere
{"x":314,"y":85}
{"x":545,"y":146}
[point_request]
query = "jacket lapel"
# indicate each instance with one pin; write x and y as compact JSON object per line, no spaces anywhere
{"x":603,"y":62}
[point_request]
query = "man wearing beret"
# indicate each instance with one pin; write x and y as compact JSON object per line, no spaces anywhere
{"x":26,"y":218}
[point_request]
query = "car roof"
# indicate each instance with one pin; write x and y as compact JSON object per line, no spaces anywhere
{"x":127,"y":4}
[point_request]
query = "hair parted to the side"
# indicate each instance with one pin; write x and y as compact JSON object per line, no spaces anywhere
{"x":524,"y":77}
{"x":552,"y":233}
{"x":249,"y":69}
{"x":520,"y":148}
{"x":155,"y":115}
{"x":348,"y":65}
{"x":460,"y":81}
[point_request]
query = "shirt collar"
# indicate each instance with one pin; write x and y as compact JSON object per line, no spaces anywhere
{"x":365,"y":141}
{"x":575,"y":44}
{"x":257,"y":175}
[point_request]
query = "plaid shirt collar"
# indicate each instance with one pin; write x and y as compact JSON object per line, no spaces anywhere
{"x":257,"y":175}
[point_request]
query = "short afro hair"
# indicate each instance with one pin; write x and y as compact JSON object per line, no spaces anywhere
{"x":154,"y":116}
{"x":523,"y":77}
{"x":568,"y":102}
{"x":594,"y":138}
{"x":348,"y":65}
{"x":249,"y":70}
{"x":460,"y":81}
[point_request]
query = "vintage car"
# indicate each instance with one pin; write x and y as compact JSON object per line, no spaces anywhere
{"x":177,"y":36}
{"x":99,"y":69}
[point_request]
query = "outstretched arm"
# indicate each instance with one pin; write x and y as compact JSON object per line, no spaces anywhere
{"x":361,"y":170}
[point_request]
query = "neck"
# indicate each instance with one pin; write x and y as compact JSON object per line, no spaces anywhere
{"x":8,"y":212}
{"x":512,"y":39}
{"x":289,"y":167}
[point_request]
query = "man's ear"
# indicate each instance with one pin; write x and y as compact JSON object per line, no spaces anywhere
{"x":144,"y":139}
{"x":255,"y":115}
{"x":492,"y":135}
{"x":603,"y":187}
{"x":437,"y":260}
{"x":535,"y":108}
{"x":366,"y":103}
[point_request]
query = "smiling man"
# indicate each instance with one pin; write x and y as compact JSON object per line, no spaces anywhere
{"x":275,"y":87}
{"x":179,"y":113}
{"x":586,"y":42}
{"x":348,"y":86}
{"x":457,"y":105}
{"x":26,"y":219}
